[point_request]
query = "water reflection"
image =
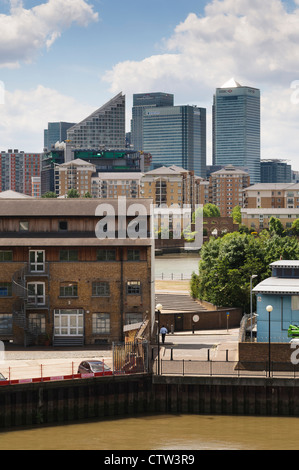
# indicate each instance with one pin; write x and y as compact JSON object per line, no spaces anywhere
{"x":162,"y":432}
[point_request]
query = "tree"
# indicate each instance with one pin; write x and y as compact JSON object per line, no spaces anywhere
{"x":295,"y":227}
{"x":227,"y":263}
{"x":210,"y":210}
{"x":236,"y":215}
{"x":73,"y":193}
{"x":275,"y":226}
{"x":49,"y":194}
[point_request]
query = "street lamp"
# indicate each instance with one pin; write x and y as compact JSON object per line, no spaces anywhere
{"x":251,"y":277}
{"x":158,"y":309}
{"x":269,"y":309}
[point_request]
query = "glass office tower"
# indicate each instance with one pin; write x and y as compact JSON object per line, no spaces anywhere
{"x":176,"y":135}
{"x":236,"y":128}
{"x":141,"y":101}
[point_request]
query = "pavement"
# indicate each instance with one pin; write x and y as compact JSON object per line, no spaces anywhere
{"x":17,"y":362}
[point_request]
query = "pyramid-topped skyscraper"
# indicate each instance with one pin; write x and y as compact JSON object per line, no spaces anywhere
{"x":236,"y":127}
{"x":103,"y":129}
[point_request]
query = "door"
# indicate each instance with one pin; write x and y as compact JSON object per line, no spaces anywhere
{"x":36,"y":293}
{"x":178,"y":322}
{"x":68,"y":322}
{"x":36,"y":261}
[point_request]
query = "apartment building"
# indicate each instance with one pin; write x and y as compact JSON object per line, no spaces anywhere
{"x":75,"y":174}
{"x":226,"y":188}
{"x":171,"y":186}
{"x":114,"y":185}
{"x":62,"y":277}
{"x":258,"y":219}
{"x":272,"y":196}
{"x":17,"y":169}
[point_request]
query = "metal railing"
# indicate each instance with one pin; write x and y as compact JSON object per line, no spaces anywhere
{"x":172,"y":276}
{"x":206,"y":368}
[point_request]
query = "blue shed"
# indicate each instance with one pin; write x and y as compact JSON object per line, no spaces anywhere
{"x":281,"y":291}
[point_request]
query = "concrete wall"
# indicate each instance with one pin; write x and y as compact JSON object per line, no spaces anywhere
{"x":61,"y":402}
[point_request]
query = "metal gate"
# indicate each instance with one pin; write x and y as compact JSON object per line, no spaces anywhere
{"x":131,"y":357}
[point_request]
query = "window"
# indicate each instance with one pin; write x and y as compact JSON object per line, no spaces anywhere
{"x":100,"y":289}
{"x":134,"y":287}
{"x":133,"y":255}
{"x":24,"y":226}
{"x":101,"y":323}
{"x":37,"y":260}
{"x":6,"y":323}
{"x":62,"y":225}
{"x":295,"y":302}
{"x":68,"y":255}
{"x":69,"y":289}
{"x":106,"y":255}
{"x":5,"y":289}
{"x":36,"y":293}
{"x":5,"y":256}
{"x":131,"y":318}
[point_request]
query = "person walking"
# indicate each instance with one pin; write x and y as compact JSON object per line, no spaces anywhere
{"x":163,"y":332}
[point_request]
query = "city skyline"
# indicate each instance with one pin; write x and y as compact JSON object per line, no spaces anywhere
{"x":62,"y":60}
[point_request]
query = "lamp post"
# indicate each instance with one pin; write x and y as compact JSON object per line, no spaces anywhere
{"x":158,"y":309}
{"x":251,"y":277}
{"x":269,"y":309}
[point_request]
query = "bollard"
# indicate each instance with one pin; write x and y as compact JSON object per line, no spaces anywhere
{"x":227,"y":355}
{"x":171,"y":354}
{"x":208,"y":354}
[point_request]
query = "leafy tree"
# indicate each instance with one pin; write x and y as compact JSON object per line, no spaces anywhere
{"x":88,"y":195}
{"x":49,"y":194}
{"x":236,"y":215}
{"x":227,"y":263}
{"x":295,"y":227}
{"x":275,"y":226}
{"x":210,"y":210}
{"x":73,"y":193}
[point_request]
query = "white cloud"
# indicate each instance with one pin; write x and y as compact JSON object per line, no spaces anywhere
{"x":255,"y":42}
{"x":25,"y":114}
{"x":24,"y":32}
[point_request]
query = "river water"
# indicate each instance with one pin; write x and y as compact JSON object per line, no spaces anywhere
{"x":162,"y":432}
{"x":176,"y":266}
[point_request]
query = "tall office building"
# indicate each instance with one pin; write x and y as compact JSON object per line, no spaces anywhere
{"x":56,"y":132}
{"x":236,"y":128}
{"x":105,"y":128}
{"x":176,"y":135}
{"x":141,"y":101}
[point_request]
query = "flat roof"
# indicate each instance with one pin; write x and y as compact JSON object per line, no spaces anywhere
{"x":283,"y":263}
{"x":275,"y":285}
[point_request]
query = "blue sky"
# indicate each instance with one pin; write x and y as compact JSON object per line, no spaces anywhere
{"x":63,"y":59}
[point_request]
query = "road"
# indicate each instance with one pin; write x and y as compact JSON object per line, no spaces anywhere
{"x":195,"y":346}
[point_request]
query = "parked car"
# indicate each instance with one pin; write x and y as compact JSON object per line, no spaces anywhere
{"x":87,"y":367}
{"x":2,"y":378}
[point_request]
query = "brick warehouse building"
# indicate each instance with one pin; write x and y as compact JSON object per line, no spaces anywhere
{"x":60,"y":282}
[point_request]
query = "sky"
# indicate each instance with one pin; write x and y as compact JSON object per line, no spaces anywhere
{"x":60,"y":60}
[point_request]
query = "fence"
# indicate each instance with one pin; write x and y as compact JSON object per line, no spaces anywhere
{"x":172,"y":276}
{"x":227,"y":368}
{"x":127,"y":358}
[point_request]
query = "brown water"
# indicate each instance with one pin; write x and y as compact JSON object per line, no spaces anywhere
{"x":162,"y":432}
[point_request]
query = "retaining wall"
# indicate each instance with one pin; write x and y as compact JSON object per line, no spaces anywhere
{"x":38,"y":404}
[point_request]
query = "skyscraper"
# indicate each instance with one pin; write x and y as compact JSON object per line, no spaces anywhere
{"x":141,"y":101}
{"x":236,"y":127}
{"x":56,"y":132}
{"x":105,"y":128}
{"x":176,"y":135}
